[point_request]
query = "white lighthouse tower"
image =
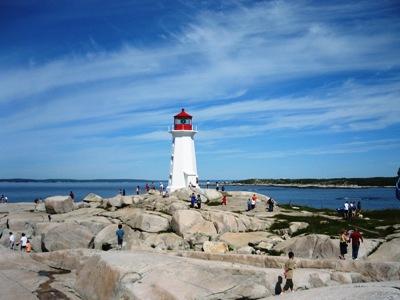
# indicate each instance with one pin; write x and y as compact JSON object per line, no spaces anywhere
{"x":183,"y":171}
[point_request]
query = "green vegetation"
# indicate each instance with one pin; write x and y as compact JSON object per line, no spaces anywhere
{"x":365,"y":182}
{"x":319,"y":224}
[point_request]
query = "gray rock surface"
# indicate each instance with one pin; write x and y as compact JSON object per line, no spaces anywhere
{"x":59,"y":204}
{"x":67,"y":236}
{"x":188,"y":222}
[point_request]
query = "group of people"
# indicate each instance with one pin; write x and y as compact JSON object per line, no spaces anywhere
{"x":3,"y":199}
{"x":195,"y":202}
{"x":290,"y":266}
{"x":24,"y":243}
{"x":350,"y":236}
{"x":251,"y":202}
{"x":351,"y":209}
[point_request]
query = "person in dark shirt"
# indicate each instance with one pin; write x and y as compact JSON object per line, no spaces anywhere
{"x":71,"y":194}
{"x":278,"y":286}
{"x":355,"y":238}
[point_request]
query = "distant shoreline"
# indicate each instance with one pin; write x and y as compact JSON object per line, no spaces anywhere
{"x":316,"y":186}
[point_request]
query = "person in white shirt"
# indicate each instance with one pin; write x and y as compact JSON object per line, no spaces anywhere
{"x":346,"y":210}
{"x":12,"y":241}
{"x":23,"y":241}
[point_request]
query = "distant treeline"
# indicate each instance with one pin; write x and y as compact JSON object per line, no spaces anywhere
{"x":372,"y":181}
{"x":71,"y":180}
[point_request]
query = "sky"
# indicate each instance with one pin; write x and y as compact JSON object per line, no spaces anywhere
{"x":277,"y":89}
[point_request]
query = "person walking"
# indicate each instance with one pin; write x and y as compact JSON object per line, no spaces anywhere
{"x":290,"y":265}
{"x":217,"y":186}
{"x":208,"y":184}
{"x":12,"y":241}
{"x":23,"y":241}
{"x":270,"y":203}
{"x":346,"y":210}
{"x":343,"y":241}
{"x":223,"y":200}
{"x":120,"y":236}
{"x":355,"y":238}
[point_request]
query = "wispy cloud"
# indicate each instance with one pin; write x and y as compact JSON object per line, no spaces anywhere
{"x":230,"y":67}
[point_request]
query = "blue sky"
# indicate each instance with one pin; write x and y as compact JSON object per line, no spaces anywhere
{"x":277,"y":89}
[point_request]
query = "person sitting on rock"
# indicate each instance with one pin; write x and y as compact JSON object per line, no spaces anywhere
{"x":278,"y":286}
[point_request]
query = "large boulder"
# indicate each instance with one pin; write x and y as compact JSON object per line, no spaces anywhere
{"x":231,"y":222}
{"x":296,"y":226}
{"x":238,"y":240}
{"x":388,"y":251}
{"x":310,"y":246}
{"x":146,"y":221}
{"x":106,"y":239}
{"x":188,"y":222}
{"x":67,"y":236}
{"x":165,"y":241}
{"x":215,"y":247}
{"x":59,"y":204}
{"x":212,"y":196}
{"x":91,"y":197}
{"x":322,"y":246}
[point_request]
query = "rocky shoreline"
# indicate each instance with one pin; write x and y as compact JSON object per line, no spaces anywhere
{"x":171,"y":251}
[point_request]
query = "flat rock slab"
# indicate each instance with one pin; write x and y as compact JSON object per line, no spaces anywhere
{"x":144,"y":275}
{"x":360,"y":291}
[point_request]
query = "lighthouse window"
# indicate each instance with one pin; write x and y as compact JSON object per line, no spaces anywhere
{"x":183,"y":121}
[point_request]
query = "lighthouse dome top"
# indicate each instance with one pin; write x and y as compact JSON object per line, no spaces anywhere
{"x":183,"y":121}
{"x":183,"y":115}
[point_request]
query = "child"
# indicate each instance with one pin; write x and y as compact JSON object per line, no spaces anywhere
{"x":278,"y":286}
{"x":28,"y":247}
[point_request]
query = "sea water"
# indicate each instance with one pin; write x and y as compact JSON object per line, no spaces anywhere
{"x":371,"y":198}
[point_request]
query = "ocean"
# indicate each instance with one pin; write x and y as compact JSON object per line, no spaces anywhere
{"x":371,"y":198}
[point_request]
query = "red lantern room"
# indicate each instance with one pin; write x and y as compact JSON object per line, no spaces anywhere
{"x":183,"y":121}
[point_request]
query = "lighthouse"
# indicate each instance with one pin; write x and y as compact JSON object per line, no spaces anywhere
{"x":183,"y":169}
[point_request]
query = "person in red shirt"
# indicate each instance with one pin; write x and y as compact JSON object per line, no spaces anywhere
{"x":223,"y":200}
{"x":355,"y":238}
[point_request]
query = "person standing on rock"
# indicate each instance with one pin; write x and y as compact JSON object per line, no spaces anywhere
{"x":355,"y":238}
{"x":346,"y":210}
{"x":23,"y":241}
{"x":28,"y":246}
{"x":290,"y":265}
{"x":12,"y":241}
{"x":343,"y":243}
{"x":223,"y":200}
{"x":192,"y":200}
{"x":71,"y":194}
{"x":198,"y":201}
{"x":208,"y":184}
{"x":137,"y":190}
{"x":120,"y":236}
{"x":249,"y":204}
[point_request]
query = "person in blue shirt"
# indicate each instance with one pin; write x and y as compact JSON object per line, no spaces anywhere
{"x":120,"y":236}
{"x":192,"y":200}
